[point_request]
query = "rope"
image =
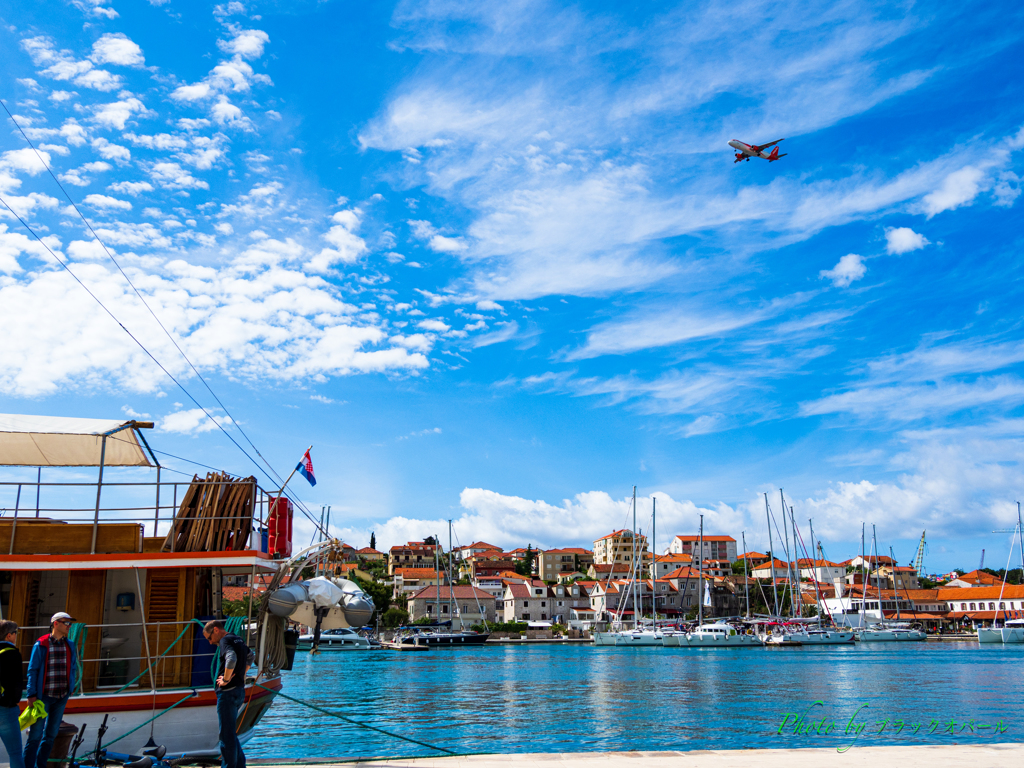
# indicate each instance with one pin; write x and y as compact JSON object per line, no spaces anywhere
{"x":164,"y":653}
{"x":355,"y":722}
{"x":143,"y":725}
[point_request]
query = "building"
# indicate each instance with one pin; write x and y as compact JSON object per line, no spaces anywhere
{"x":754,"y":558}
{"x":463,"y":553}
{"x":771,"y":569}
{"x":486,"y":564}
{"x":868,"y":561}
{"x":409,"y":580}
{"x":414,"y":554}
{"x":618,"y":548}
{"x":821,"y":570}
{"x":370,"y":554}
{"x":715,"y":547}
{"x":603,"y":572}
{"x":665,"y":564}
{"x":529,"y":601}
{"x":974,"y":579}
{"x":899,"y":576}
{"x":553,"y":562}
{"x":610,"y":599}
{"x":464,"y":605}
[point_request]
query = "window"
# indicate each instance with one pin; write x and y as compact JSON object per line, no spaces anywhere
{"x":543,"y":603}
{"x":972,"y":606}
{"x":526,"y":603}
{"x":991,"y":606}
{"x":963,"y":606}
{"x":444,"y":609}
{"x":430,"y":608}
{"x":526,"y":616}
{"x":1002,"y":606}
{"x":543,"y":616}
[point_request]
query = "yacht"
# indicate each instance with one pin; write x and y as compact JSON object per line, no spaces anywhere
{"x":717,"y":634}
{"x":890,"y":632}
{"x":1011,"y":632}
{"x":343,"y":639}
{"x":797,"y":635}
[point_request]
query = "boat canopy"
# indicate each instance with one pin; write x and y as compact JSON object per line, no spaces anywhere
{"x":57,"y":441}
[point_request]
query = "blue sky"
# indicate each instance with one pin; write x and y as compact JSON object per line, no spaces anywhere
{"x":495,"y":262}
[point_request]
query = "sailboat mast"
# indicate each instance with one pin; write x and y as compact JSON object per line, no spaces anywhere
{"x":1020,"y":538}
{"x":895,"y":583}
{"x":654,"y":560}
{"x":785,"y":544}
{"x":746,"y":586}
{"x":771,"y":554}
{"x":451,"y":587}
{"x":635,"y":548}
{"x":863,"y":582}
{"x":814,"y":569}
{"x":878,"y":581}
{"x":700,"y":574}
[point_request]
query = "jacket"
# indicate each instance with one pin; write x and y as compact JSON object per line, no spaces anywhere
{"x":12,"y":677}
{"x":37,"y":663}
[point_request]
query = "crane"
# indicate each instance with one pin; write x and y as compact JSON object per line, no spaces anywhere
{"x":919,"y":558}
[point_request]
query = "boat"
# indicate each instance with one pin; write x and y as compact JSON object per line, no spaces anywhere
{"x":341,"y":639}
{"x":890,"y":631}
{"x":1012,"y":630}
{"x":141,"y":570}
{"x":718,"y":634}
{"x":788,"y":634}
{"x":439,"y":638}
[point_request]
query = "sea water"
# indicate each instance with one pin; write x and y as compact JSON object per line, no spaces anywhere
{"x":579,"y":698}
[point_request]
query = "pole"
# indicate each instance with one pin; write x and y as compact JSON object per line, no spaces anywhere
{"x":814,"y":570}
{"x":771,"y":554}
{"x":700,"y":574}
{"x":14,"y":522}
{"x":864,"y":582}
{"x":746,"y":586}
{"x":293,"y":472}
{"x":785,"y":545}
{"x":635,"y":548}
{"x":1020,"y":538}
{"x":896,"y":590}
{"x":654,"y":560}
{"x":145,"y":632}
{"x":451,"y":587}
{"x":874,"y":559}
{"x":39,"y":482}
{"x":99,"y":489}
{"x":156,"y":511}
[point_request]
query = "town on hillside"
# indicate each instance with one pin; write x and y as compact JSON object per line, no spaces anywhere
{"x":573,"y":588}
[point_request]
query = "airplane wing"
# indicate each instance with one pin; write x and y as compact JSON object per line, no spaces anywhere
{"x":762,"y":147}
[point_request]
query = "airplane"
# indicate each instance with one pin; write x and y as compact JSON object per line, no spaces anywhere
{"x":747,"y":151}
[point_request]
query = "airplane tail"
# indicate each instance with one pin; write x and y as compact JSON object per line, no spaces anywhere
{"x":775,"y":155}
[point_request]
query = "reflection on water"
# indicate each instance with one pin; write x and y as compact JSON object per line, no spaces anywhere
{"x":561,"y":698}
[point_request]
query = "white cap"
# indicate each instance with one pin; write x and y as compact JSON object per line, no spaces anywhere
{"x":60,"y":615}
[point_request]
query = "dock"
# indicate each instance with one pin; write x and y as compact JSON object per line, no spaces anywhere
{"x":1007,"y":755}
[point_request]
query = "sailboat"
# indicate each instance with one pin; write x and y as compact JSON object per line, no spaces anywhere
{"x":717,"y":634}
{"x":887,"y":631}
{"x":637,"y":636}
{"x":1012,"y":631}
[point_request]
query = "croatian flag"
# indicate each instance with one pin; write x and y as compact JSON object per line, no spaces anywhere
{"x":305,"y":468}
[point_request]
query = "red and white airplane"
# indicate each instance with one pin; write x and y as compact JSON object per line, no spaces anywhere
{"x":747,"y":151}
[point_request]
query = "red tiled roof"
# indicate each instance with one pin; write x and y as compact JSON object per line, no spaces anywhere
{"x":615,"y":534}
{"x":458,"y":592}
{"x":686,"y":572}
{"x":417,"y":573}
{"x":369,"y":551}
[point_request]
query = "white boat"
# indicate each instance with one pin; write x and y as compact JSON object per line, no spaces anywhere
{"x":1011,"y":632}
{"x":343,"y":639}
{"x":808,"y":636}
{"x":887,"y":632}
{"x":715,"y":635}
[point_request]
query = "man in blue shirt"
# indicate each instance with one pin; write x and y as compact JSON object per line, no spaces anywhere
{"x":235,"y":658}
{"x":51,"y":679}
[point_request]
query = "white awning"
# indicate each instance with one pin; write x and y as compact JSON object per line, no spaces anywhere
{"x":56,"y":441}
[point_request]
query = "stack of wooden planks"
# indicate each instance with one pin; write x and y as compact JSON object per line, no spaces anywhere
{"x":214,"y":516}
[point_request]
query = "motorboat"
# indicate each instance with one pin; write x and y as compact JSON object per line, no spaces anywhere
{"x":341,"y":639}
{"x":1011,"y":632}
{"x":441,"y":638}
{"x":784,"y":635}
{"x":716,"y":635}
{"x":890,"y":632}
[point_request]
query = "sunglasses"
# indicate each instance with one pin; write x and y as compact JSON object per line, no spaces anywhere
{"x":65,"y":622}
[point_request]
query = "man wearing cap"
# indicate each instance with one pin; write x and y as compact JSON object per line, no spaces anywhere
{"x":51,"y":679}
{"x":235,"y":659}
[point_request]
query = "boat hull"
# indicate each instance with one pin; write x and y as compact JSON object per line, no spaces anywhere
{"x":447,"y":641}
{"x":628,"y":639}
{"x":891,"y":636}
{"x":1001,"y":635}
{"x":189,"y":729}
{"x":832,"y":637}
{"x":703,"y":640}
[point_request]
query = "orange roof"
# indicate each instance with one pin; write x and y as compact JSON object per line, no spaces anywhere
{"x":1010,"y":592}
{"x":615,"y":534}
{"x":685,"y":572}
{"x":368,"y":551}
{"x":979,"y":577}
{"x":480,"y":545}
{"x":416,"y":573}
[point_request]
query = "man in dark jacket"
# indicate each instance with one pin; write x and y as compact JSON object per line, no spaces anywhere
{"x":12,"y":683}
{"x":52,"y":670}
{"x":235,"y":658}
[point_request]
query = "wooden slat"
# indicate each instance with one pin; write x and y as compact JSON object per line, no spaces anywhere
{"x":86,"y":594}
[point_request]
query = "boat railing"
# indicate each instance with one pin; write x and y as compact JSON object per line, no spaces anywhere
{"x":161,"y":644}
{"x":152,"y":505}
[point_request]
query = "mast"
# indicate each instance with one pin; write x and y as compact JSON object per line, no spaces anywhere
{"x":863,"y":582}
{"x":654,"y":560}
{"x":814,"y":569}
{"x":785,"y":545}
{"x":746,"y":586}
{"x":771,"y":554}
{"x":798,"y":593}
{"x":878,"y":582}
{"x":895,"y":588}
{"x":1020,"y":539}
{"x":700,"y":575}
{"x":635,"y":548}
{"x":451,"y":587}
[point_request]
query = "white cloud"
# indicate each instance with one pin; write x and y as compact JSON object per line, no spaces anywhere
{"x":191,"y":422}
{"x":110,"y":151}
{"x":162,"y":141}
{"x":957,"y":189}
{"x":59,"y":97}
{"x":903,"y":240}
{"x":117,"y":49}
{"x":224,"y":228}
{"x":105,"y":202}
{"x":247,"y":43}
{"x":133,"y":188}
{"x":489,"y":306}
{"x":173,"y":176}
{"x":347,"y":246}
{"x":116,"y":114}
{"x":849,"y":269}
{"x":25,"y":160}
{"x":433,"y":325}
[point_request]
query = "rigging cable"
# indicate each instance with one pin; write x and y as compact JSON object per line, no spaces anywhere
{"x":139,"y":343}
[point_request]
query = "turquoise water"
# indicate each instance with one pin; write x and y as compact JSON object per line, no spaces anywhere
{"x":573,"y":698}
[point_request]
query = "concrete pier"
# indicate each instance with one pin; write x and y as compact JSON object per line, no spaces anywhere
{"x":912,"y":756}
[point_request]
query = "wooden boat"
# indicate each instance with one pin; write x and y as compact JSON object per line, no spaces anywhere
{"x":140,"y":565}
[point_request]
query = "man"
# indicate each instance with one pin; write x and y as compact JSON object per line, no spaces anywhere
{"x":12,"y":682}
{"x":51,"y":679}
{"x":235,"y":658}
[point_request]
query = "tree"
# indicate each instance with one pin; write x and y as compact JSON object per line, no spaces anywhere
{"x":373,"y":540}
{"x":525,"y":566}
{"x":239,"y":607}
{"x":430,"y":540}
{"x":393,"y":617}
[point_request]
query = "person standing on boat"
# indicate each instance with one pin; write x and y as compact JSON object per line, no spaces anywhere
{"x":12,"y":683}
{"x":51,"y":679}
{"x":235,"y":658}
